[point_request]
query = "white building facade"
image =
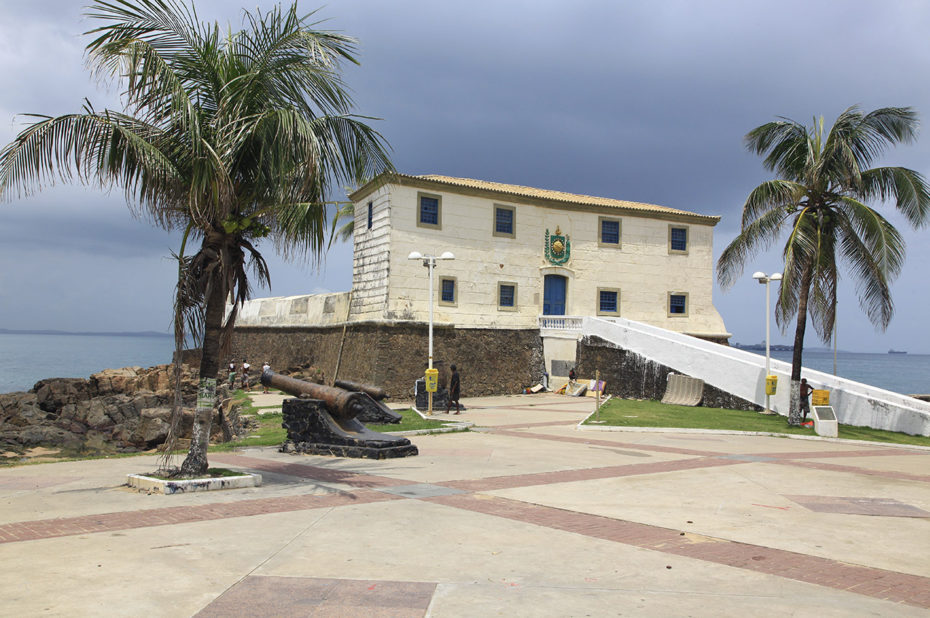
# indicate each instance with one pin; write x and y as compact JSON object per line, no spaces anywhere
{"x":526,"y":258}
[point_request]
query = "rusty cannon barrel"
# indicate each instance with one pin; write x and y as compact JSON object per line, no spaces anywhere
{"x":340,"y":403}
{"x":375,"y":392}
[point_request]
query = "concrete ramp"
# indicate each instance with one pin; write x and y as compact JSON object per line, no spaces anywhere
{"x":683,"y":390}
{"x":742,"y":374}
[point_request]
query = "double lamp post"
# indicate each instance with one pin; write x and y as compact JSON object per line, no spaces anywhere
{"x":429,"y":261}
{"x":764,"y":279}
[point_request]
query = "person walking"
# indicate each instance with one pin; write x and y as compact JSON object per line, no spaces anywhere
{"x":232,"y":376}
{"x":455,"y":387}
{"x":244,"y":375}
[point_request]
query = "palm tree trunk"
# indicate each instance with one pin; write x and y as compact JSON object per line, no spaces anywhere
{"x":794,"y":400}
{"x":196,"y":461}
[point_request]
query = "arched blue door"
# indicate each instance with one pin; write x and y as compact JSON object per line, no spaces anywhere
{"x":554,"y":295}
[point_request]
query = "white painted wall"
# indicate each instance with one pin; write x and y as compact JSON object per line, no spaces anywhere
{"x":743,"y":374}
{"x":305,"y":310}
{"x":642,"y":269}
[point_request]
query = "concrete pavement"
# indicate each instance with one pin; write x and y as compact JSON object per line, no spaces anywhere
{"x":526,"y":516}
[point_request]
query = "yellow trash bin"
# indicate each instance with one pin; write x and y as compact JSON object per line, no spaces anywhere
{"x":771,"y":384}
{"x":432,"y":380}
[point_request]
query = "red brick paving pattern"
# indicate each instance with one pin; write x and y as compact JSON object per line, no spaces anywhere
{"x":110,"y":522}
{"x":910,"y":589}
{"x":877,"y":583}
{"x":585,"y":474}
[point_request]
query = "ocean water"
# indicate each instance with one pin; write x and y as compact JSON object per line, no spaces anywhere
{"x":26,"y":359}
{"x":901,"y":373}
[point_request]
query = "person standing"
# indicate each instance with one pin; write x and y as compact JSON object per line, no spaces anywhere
{"x":246,"y":385}
{"x":806,"y":391}
{"x":455,"y":387}
{"x":265,"y":367}
{"x":232,"y":376}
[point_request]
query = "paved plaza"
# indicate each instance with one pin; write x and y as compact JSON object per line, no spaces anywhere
{"x":526,"y":515}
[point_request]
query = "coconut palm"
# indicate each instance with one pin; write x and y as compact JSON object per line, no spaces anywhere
{"x":230,"y":137}
{"x":822,"y":198}
{"x":345,"y":215}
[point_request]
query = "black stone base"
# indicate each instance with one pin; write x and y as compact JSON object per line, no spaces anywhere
{"x":440,"y":398}
{"x":312,"y":429}
{"x":357,"y":452}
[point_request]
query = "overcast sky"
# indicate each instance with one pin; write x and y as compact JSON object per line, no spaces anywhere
{"x":635,"y":100}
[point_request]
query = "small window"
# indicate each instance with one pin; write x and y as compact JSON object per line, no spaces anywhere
{"x":507,"y":296}
{"x":429,"y":211}
{"x":677,"y":239}
{"x":608,"y":301}
{"x":677,"y":305}
{"x":504,"y":217}
{"x":609,"y":235}
{"x":371,"y":208}
{"x":447,"y":292}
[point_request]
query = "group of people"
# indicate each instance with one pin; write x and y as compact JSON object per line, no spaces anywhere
{"x":242,"y":373}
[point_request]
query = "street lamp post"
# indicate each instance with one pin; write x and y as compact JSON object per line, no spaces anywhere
{"x":429,"y":261}
{"x":766,"y":279}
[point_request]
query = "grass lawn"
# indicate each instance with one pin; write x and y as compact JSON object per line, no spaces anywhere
{"x":270,"y":432}
{"x":648,"y":413}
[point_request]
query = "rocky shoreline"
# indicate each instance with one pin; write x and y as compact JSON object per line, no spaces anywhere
{"x":113,"y":411}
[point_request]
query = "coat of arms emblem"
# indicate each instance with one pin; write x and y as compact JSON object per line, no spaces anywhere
{"x":558,"y":247}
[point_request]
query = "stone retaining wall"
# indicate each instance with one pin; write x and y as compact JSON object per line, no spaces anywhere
{"x":394,"y":355}
{"x":632,"y":376}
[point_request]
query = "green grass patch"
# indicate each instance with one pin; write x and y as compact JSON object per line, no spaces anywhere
{"x":411,"y":422}
{"x":650,"y":413}
{"x":212,"y":473}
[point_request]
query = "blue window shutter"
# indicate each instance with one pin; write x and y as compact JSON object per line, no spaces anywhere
{"x":370,"y":214}
{"x":608,"y":301}
{"x":506,"y":296}
{"x":503,"y":221}
{"x":448,"y":291}
{"x":676,"y":303}
{"x":679,"y":239}
{"x":610,"y":232}
{"x":429,"y":210}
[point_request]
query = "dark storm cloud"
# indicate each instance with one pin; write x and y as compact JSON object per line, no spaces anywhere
{"x":642,"y":101}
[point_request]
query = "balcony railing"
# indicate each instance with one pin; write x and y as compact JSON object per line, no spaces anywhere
{"x":560,"y":322}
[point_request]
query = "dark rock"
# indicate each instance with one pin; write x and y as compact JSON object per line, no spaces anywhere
{"x":116,"y":409}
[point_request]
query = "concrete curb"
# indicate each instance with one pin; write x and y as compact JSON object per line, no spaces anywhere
{"x":730,"y":432}
{"x":169,"y":487}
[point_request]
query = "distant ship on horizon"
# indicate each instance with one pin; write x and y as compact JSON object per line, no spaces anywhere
{"x":897,"y":352}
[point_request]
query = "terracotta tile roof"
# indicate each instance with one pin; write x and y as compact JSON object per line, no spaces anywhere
{"x":542,"y":194}
{"x":557,"y":196}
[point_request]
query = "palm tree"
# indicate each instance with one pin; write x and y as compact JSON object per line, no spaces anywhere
{"x":821,"y":197}
{"x":231,"y":138}
{"x":345,"y":214}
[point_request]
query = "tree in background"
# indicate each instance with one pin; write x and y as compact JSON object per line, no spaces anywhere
{"x":231,"y":137}
{"x":821,"y":197}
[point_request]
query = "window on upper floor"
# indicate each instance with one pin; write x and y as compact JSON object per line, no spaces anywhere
{"x":505,"y":221}
{"x":448,"y":295}
{"x":429,"y":211}
{"x":609,"y":232}
{"x":608,"y":301}
{"x":507,"y":296}
{"x":677,"y":304}
{"x":371,"y":208}
{"x":677,"y":239}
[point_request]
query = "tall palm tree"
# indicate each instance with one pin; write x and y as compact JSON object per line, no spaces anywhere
{"x":821,"y":197}
{"x":231,"y":137}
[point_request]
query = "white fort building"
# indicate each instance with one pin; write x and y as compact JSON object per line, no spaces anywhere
{"x":541,"y":281}
{"x":526,"y":260}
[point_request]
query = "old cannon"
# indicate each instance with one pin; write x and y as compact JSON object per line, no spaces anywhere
{"x":377,"y":411}
{"x":322,"y":420}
